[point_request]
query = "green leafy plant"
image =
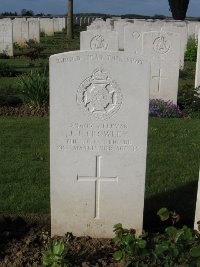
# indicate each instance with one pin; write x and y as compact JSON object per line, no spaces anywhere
{"x":189,"y":99}
{"x":191,"y":51}
{"x":34,"y":88}
{"x":129,"y":245}
{"x":55,"y":254}
{"x":34,"y":49}
{"x":7,"y":71}
{"x":176,"y":247}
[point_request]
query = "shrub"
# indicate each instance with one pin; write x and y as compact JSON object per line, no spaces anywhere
{"x":34,"y":89}
{"x":9,"y":96}
{"x":35,"y":49}
{"x":189,"y":99}
{"x":7,"y":70}
{"x":191,"y":52}
{"x":163,"y":109}
{"x":4,"y":56}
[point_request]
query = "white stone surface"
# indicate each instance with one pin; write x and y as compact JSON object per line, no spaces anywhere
{"x":99,"y":117}
{"x":99,"y":24}
{"x":34,"y":30}
{"x":181,"y":28}
{"x":56,"y":24}
{"x":99,"y":40}
{"x":6,"y":37}
{"x":162,"y":50}
{"x":119,"y":26}
{"x":197,"y":212}
{"x":46,"y":26}
{"x":20,"y":31}
{"x":197,"y":75}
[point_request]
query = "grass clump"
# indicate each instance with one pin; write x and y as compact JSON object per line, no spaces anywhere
{"x":191,"y":52}
{"x":34,"y":88}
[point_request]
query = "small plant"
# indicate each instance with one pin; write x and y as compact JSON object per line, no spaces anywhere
{"x":7,"y":70}
{"x":55,"y":254}
{"x":129,"y":245}
{"x":163,"y":109}
{"x":4,"y":56}
{"x":191,"y":52}
{"x":189,"y":99}
{"x":34,"y":88}
{"x":35,"y":49}
{"x":176,"y":247}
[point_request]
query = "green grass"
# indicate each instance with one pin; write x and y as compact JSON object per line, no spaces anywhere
{"x":24,"y":165}
{"x":172,"y":166}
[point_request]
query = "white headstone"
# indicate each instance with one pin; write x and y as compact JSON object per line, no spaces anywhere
{"x":99,"y":116}
{"x":119,"y":26}
{"x":34,"y":30}
{"x":20,"y":31}
{"x":99,"y":40}
{"x":99,"y":24}
{"x":56,"y":24}
{"x":162,"y":50}
{"x":197,"y":212}
{"x":197,"y":76}
{"x":6,"y":37}
{"x":46,"y":26}
{"x":181,"y":28}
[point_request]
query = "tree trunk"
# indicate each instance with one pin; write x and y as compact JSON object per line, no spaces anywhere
{"x":70,"y":20}
{"x":178,"y":8}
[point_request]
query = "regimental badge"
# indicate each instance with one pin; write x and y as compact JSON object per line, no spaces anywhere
{"x":99,"y":95}
{"x":98,"y":43}
{"x":161,"y":45}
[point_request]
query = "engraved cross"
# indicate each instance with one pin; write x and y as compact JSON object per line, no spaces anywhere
{"x":160,"y":78}
{"x":97,"y":179}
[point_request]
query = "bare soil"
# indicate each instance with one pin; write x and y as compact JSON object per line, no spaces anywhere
{"x":22,"y":244}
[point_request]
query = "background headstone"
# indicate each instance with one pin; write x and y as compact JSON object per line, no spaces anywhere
{"x":99,"y":40}
{"x":197,"y":212}
{"x":6,"y":37}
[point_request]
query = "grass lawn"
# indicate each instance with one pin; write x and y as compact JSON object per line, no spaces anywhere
{"x":172,"y":166}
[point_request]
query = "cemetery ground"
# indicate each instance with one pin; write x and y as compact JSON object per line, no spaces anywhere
{"x":171,"y":176}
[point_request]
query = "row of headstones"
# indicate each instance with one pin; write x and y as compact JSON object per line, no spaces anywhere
{"x":82,"y":21}
{"x":163,"y":43}
{"x":21,"y":30}
{"x":99,"y":103}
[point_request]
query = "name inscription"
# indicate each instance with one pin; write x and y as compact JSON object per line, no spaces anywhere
{"x":98,"y":137}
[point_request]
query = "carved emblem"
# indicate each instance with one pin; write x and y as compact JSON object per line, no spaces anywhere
{"x":98,"y":43}
{"x":136,"y":35}
{"x":99,"y":95}
{"x":161,"y":45}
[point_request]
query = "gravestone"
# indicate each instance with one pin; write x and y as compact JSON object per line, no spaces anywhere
{"x":197,"y":76}
{"x":55,"y":25}
{"x":99,"y":40}
{"x":46,"y":26}
{"x":99,"y":117}
{"x":6,"y":37}
{"x":119,"y":26}
{"x":161,"y":49}
{"x":180,"y":28}
{"x":197,"y":212}
{"x":99,"y":24}
{"x":34,"y":30}
{"x":20,"y":31}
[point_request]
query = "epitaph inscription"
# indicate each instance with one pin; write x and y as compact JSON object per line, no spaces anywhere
{"x":97,"y":179}
{"x":99,"y":95}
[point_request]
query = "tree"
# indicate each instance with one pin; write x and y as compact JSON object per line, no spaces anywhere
{"x":70,"y":20}
{"x":178,"y":8}
{"x":26,"y":12}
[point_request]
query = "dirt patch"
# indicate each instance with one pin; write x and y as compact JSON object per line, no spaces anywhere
{"x":22,"y":243}
{"x":23,"y":110}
